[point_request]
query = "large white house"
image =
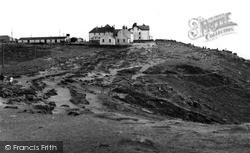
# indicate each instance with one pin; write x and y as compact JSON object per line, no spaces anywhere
{"x":98,"y":32}
{"x":108,"y":35}
{"x":140,"y":32}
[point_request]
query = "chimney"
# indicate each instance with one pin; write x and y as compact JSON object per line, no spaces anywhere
{"x":135,"y":24}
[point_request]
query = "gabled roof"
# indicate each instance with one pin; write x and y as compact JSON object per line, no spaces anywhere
{"x":117,"y":30}
{"x":107,"y":28}
{"x":39,"y":38}
{"x":5,"y":37}
{"x":143,"y":27}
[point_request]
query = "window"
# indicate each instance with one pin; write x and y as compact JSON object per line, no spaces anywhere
{"x":139,"y":37}
{"x":124,"y":40}
{"x":103,"y":40}
{"x":118,"y":41}
{"x":139,"y":33}
{"x":110,"y":40}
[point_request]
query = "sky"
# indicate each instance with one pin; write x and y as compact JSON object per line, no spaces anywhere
{"x":167,"y":19}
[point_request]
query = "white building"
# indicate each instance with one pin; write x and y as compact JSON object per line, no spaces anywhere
{"x":98,"y":32}
{"x":140,"y":32}
{"x":58,"y":39}
{"x":123,"y":36}
{"x":110,"y":36}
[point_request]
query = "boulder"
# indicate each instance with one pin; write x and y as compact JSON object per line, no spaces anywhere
{"x":44,"y":109}
{"x":30,"y":97}
{"x":51,"y":92}
{"x":52,"y":104}
{"x":27,"y":111}
{"x":64,"y":105}
{"x":74,"y":113}
{"x":5,"y":93}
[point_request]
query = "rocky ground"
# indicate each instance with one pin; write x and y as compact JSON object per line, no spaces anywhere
{"x":164,"y":96}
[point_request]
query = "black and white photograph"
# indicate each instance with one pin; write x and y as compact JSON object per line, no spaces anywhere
{"x":124,"y":76}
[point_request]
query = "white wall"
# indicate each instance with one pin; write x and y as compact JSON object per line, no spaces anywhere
{"x":41,"y":41}
{"x":140,"y":34}
{"x":24,"y":41}
{"x":123,"y":37}
{"x":95,"y":36}
{"x":107,"y":40}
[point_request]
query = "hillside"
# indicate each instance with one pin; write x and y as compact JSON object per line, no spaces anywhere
{"x":170,"y":79}
{"x":177,"y":80}
{"x":162,"y":82}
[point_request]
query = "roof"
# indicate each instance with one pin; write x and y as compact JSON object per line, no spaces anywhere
{"x":4,"y":37}
{"x":107,"y":28}
{"x":143,"y":27}
{"x":38,"y":38}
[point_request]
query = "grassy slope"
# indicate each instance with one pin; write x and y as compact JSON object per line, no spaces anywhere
{"x":180,"y":80}
{"x":174,"y":79}
{"x":170,"y":80}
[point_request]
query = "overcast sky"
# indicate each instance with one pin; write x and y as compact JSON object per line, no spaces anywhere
{"x":167,"y":19}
